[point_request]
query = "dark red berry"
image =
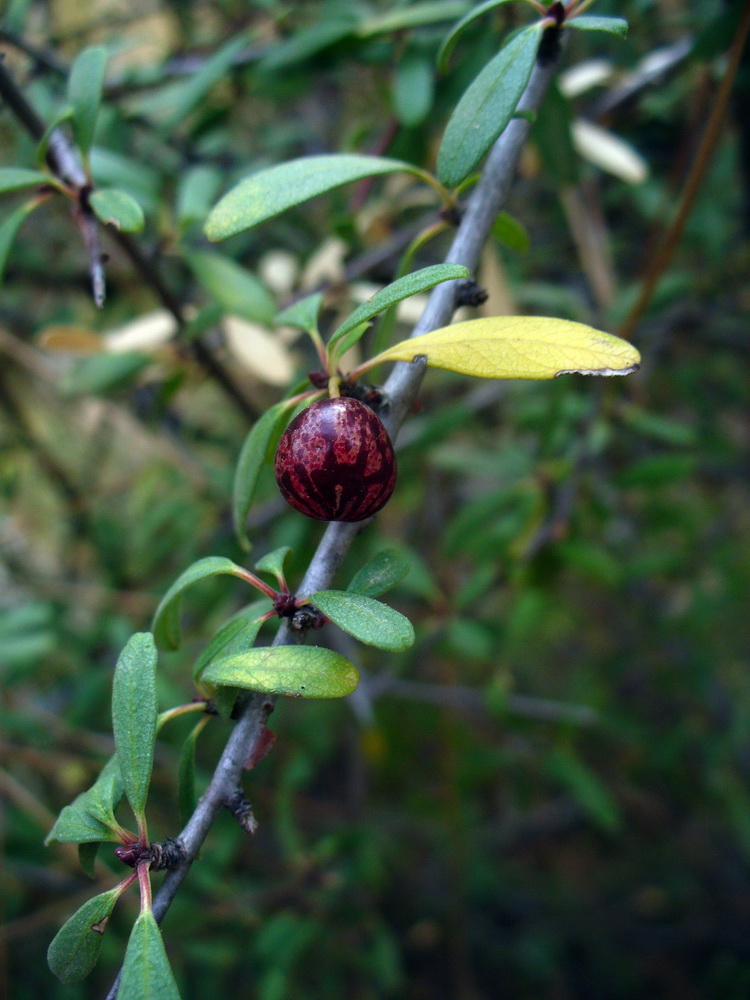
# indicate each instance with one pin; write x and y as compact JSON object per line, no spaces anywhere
{"x":335,"y":461}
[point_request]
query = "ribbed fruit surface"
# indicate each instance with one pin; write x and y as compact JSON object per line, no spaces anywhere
{"x":335,"y":461}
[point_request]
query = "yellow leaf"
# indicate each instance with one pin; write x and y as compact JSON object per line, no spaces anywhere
{"x":518,"y":347}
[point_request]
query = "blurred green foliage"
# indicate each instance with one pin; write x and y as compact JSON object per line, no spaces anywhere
{"x":547,"y":796}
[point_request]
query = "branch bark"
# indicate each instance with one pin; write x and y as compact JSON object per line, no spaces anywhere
{"x":401,"y":388}
{"x":64,"y":162}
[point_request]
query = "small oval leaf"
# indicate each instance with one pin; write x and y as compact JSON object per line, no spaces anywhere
{"x":528,"y":347}
{"x":273,"y":562}
{"x":234,"y":637}
{"x":300,"y":671}
{"x":75,"y":948}
{"x":413,"y":88}
{"x":18,"y":178}
{"x":487,"y":106}
{"x":303,"y":314}
{"x":104,"y":373}
{"x":76,"y":825}
{"x":134,"y":714}
{"x":249,"y":465}
{"x":85,"y":94}
{"x":378,"y":575}
{"x":402,"y":288}
{"x":614,"y":25}
{"x":368,"y":620}
{"x":270,"y":192}
{"x":166,"y":623}
{"x":236,"y":289}
{"x":146,"y":974}
{"x":118,"y":208}
{"x":91,"y":816}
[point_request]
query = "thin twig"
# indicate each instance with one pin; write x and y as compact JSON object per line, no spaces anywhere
{"x":64,"y":162}
{"x":401,"y":389}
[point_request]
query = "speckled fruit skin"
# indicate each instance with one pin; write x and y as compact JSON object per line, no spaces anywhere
{"x":335,"y":461}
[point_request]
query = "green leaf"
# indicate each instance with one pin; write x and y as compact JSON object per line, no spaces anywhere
{"x":487,"y":106}
{"x":552,"y":133}
{"x":166,"y":623}
{"x":250,"y":463}
{"x":18,"y":178}
{"x":368,"y":620}
{"x":273,"y":562}
{"x":302,"y":315}
{"x":452,"y":37}
{"x":412,"y":16}
{"x":518,"y":347}
{"x":75,"y":948}
{"x":8,"y":231}
{"x":85,"y":94}
{"x":103,"y":373}
{"x":196,"y":190}
{"x":91,"y":816}
{"x":87,"y":854}
{"x":236,"y":636}
{"x":588,"y":789}
{"x":413,"y":88}
{"x":508,"y":230}
{"x":300,"y":671}
{"x":117,"y":208}
{"x":146,"y":974}
{"x":614,"y":25}
{"x":402,"y":288}
{"x":235,"y":288}
{"x":270,"y":192}
{"x":134,"y":712}
{"x":76,"y":825}
{"x":378,"y":575}
{"x":186,"y":797}
{"x":310,"y":41}
{"x":214,"y":69}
